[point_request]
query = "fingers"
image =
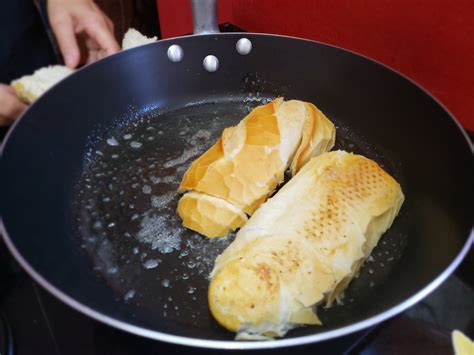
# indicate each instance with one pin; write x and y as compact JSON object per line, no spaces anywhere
{"x":93,"y":55}
{"x":94,"y":52}
{"x":109,"y":23}
{"x":10,"y":106}
{"x":7,"y":88}
{"x":71,"y":17}
{"x":63,"y":28}
{"x":101,"y":33}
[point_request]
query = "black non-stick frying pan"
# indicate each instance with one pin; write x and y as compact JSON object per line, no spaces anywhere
{"x":89,"y":174}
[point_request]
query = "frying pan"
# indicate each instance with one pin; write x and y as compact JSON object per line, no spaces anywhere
{"x":89,"y":175}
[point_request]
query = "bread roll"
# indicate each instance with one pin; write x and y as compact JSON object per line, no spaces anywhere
{"x":248,"y":161}
{"x":219,"y":216}
{"x":134,"y":38}
{"x":30,"y":87}
{"x":303,"y":246}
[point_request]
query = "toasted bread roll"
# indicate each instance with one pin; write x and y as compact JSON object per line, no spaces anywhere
{"x":218,"y":216}
{"x":303,"y":246}
{"x":319,"y":136}
{"x":249,"y":160}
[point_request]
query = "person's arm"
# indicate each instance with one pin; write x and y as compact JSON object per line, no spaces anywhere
{"x":71,"y":19}
{"x":10,"y":106}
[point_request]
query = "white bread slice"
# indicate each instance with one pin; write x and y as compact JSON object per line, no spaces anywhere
{"x":30,"y":87}
{"x":218,"y":216}
{"x":133,"y":38}
{"x":249,"y":160}
{"x":303,"y":246}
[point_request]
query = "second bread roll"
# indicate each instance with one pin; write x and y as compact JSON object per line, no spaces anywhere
{"x":248,"y":162}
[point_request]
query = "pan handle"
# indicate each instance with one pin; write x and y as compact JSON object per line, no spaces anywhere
{"x":204,"y":16}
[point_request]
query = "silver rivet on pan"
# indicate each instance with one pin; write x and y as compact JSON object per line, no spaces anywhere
{"x":243,"y":46}
{"x":211,"y":63}
{"x":175,"y":53}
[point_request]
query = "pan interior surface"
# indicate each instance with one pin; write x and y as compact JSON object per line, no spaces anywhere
{"x":128,"y":225}
{"x":89,"y":177}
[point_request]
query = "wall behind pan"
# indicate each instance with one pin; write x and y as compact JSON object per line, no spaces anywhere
{"x":431,"y":41}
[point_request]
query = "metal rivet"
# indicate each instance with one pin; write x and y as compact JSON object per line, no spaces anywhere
{"x":244,"y":46}
{"x":175,"y":53}
{"x":211,"y":63}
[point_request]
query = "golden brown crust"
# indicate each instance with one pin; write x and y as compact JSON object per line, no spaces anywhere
{"x":248,"y":172}
{"x":319,"y":136}
{"x":199,"y":167}
{"x":304,"y":245}
{"x":209,"y":215}
{"x":248,"y":161}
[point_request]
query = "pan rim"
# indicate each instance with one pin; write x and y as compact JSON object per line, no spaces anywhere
{"x":231,"y":344}
{"x":235,"y":34}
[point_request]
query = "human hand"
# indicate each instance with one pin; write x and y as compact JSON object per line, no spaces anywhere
{"x":10,"y":106}
{"x":81,"y":19}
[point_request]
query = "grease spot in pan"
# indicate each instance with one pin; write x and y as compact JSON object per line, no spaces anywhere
{"x":147,"y":248}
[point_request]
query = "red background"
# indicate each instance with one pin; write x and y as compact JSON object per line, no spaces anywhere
{"x":431,"y":41}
